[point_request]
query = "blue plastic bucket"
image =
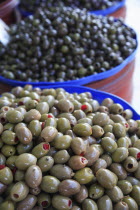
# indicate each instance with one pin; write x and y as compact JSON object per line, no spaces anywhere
{"x":97,"y":95}
{"x":82,"y":81}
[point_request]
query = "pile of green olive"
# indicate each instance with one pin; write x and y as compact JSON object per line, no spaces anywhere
{"x":62,"y":44}
{"x":32,"y":5}
{"x":66,"y":151}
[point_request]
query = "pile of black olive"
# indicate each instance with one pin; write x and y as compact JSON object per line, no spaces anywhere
{"x":32,"y":5}
{"x":61,"y":44}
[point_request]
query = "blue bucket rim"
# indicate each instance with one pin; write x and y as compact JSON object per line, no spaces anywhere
{"x":103,"y":12}
{"x":96,"y":93}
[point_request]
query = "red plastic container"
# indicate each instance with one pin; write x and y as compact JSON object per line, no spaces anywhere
{"x":7,"y":11}
{"x":121,"y":13}
{"x":120,"y":84}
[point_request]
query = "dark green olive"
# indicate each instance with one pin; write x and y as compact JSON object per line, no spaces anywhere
{"x":84,"y":175}
{"x":29,"y":202}
{"x":105,"y":203}
{"x":61,"y":156}
{"x":125,"y":186}
{"x":45,"y":163}
{"x":50,"y":184}
{"x":24,"y":135}
{"x":95,"y":191}
{"x":63,"y":142}
{"x":7,"y":205}
{"x":65,"y":106}
{"x":131,"y":203}
{"x":137,"y":172}
{"x":119,"y":170}
{"x":135,"y":194}
{"x":108,"y":144}
{"x":2,"y":159}
{"x":107,"y":158}
{"x":77,"y":162}
{"x":19,"y":175}
{"x":100,"y":163}
{"x":49,"y":133}
{"x":43,"y":200}
{"x":19,"y":191}
{"x":41,"y":150}
{"x":24,"y":148}
{"x":3,"y":188}
{"x":43,"y":107}
{"x":8,"y":150}
{"x":82,"y":129}
{"x":61,"y":172}
{"x":97,"y":131}
{"x":130,"y":164}
{"x":115,"y":194}
{"x":14,"y":116}
{"x":89,"y":204}
{"x":33,"y":176}
{"x":100,"y":119}
{"x":61,"y":202}
{"x":106,"y":178}
{"x":119,"y":130}
{"x":35,"y":128}
{"x":25,"y":160}
{"x":33,"y":114}
{"x":92,"y":155}
{"x":10,"y":162}
{"x":121,"y":205}
{"x":82,"y":194}
{"x":133,"y":180}
{"x":120,"y":154}
{"x":69,"y":187}
{"x":78,"y":146}
{"x":63,"y":125}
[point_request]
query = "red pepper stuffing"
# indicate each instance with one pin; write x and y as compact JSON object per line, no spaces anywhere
{"x":44,"y":203}
{"x":82,"y":154}
{"x":84,"y":107}
{"x":50,"y":116}
{"x":20,"y":103}
{"x":138,"y":156}
{"x":69,"y":203}
{"x":2,"y":166}
{"x":43,"y":125}
{"x":16,"y":195}
{"x":46,"y":146}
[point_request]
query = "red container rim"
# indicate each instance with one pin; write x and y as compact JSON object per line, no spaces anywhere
{"x":7,"y":6}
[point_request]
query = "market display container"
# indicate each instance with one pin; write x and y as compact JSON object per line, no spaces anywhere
{"x":7,"y":11}
{"x":118,"y":81}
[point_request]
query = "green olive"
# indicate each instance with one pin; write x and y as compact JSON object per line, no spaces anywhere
{"x":115,"y":194}
{"x":131,"y":203}
{"x":105,"y":203}
{"x":19,"y":191}
{"x":106,"y":178}
{"x":84,"y":175}
{"x":95,"y":191}
{"x":61,"y":202}
{"x":89,"y":204}
{"x":41,"y":150}
{"x":25,"y":160}
{"x":50,"y":184}
{"x":33,"y":176}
